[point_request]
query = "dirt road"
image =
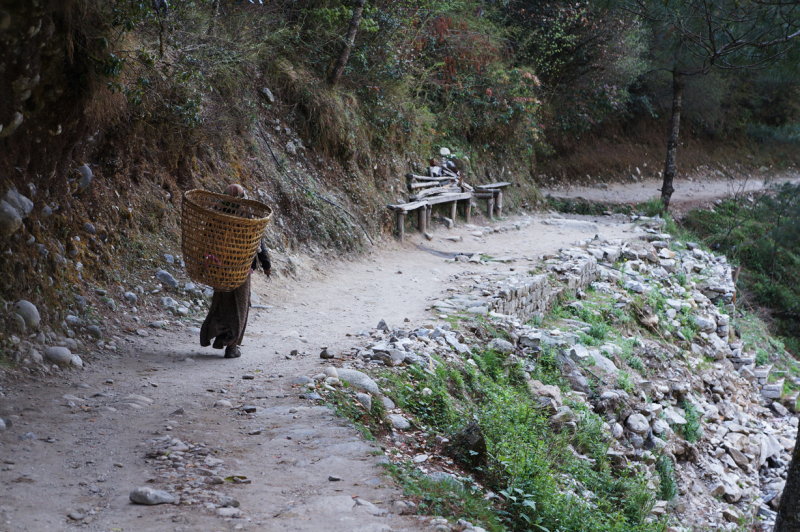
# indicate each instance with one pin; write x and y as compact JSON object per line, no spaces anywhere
{"x":690,"y":192}
{"x":232,"y":438}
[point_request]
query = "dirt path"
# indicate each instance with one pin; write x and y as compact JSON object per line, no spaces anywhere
{"x":693,"y":192}
{"x":82,"y":440}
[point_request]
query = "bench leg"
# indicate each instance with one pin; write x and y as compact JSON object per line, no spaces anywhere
{"x":453,"y":212}
{"x":428,"y":214}
{"x":422,"y":220}
{"x":489,"y":207}
{"x":401,"y":225}
{"x":499,"y":204}
{"x":468,"y":211}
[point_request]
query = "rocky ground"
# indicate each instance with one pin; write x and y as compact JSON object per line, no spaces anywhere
{"x":680,"y":381}
{"x":117,"y":419}
{"x":122,"y":397}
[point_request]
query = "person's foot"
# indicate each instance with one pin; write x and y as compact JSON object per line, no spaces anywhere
{"x":233,"y":351}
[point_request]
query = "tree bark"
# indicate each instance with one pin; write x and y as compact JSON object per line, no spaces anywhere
{"x":672,"y":143}
{"x":788,"y":519}
{"x":341,"y":62}
{"x":214,"y":14}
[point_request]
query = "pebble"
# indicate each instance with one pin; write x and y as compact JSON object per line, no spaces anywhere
{"x":229,"y":512}
{"x":150,"y":496}
{"x":75,"y":515}
{"x":334,"y":478}
{"x":94,"y":331}
{"x":89,"y":228}
{"x":131,"y":298}
{"x":248,"y":376}
{"x":325,"y":355}
{"x":169,"y":258}
{"x":249,"y":409}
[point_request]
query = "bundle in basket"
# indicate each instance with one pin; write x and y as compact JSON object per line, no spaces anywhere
{"x":221,"y":235}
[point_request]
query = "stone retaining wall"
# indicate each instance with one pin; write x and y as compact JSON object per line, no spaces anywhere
{"x":526,"y":297}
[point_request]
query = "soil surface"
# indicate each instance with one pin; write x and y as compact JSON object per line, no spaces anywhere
{"x":82,"y":440}
{"x":690,"y":192}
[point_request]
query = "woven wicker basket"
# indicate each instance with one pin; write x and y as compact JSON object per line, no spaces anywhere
{"x":221,"y":235}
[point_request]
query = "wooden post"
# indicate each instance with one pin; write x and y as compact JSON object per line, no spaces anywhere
{"x":428,"y":214}
{"x":401,"y":225}
{"x":422,"y":219}
{"x":489,"y":206}
{"x":453,"y":212}
{"x":468,"y":213}
{"x":499,"y":207}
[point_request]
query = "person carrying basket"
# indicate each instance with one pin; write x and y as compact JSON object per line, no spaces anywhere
{"x":227,"y":318}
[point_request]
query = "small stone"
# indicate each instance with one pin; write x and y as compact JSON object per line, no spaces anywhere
{"x":268,"y":95}
{"x":58,"y":355}
{"x":365,"y":399}
{"x":382,"y":326}
{"x":303,"y":380}
{"x":223,"y":403}
{"x":358,"y":380}
{"x":10,"y":220}
{"x":232,"y":513}
{"x":399,"y":422}
{"x":89,"y":228}
{"x":76,"y":515}
{"x":325,"y":355}
{"x":131,"y":298}
{"x":388,"y":404}
{"x":85,"y":179}
{"x":331,"y":372}
{"x":94,"y":331}
{"x":501,"y":346}
{"x":333,"y":478}
{"x":248,"y":376}
{"x":29,"y":313}
{"x":166,"y":278}
{"x":249,"y":409}
{"x":637,"y":423}
{"x":151,"y":496}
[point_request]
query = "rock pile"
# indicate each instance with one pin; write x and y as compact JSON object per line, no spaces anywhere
{"x":688,"y":388}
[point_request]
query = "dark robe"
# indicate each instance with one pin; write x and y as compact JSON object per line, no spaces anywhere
{"x":227,"y":317}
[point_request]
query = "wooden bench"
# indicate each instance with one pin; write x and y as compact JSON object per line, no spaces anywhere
{"x":493,"y":194}
{"x":404,"y":208}
{"x":424,"y":208}
{"x":453,"y":199}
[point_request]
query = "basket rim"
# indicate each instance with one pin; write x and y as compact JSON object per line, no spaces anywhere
{"x":188,"y":199}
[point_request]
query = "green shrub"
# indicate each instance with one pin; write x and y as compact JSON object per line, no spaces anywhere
{"x":668,"y":487}
{"x":762,"y":357}
{"x":691,"y":430}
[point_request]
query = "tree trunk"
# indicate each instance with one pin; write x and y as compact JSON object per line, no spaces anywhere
{"x":672,"y":143}
{"x":341,"y":62}
{"x":214,"y":14}
{"x":788,"y":519}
